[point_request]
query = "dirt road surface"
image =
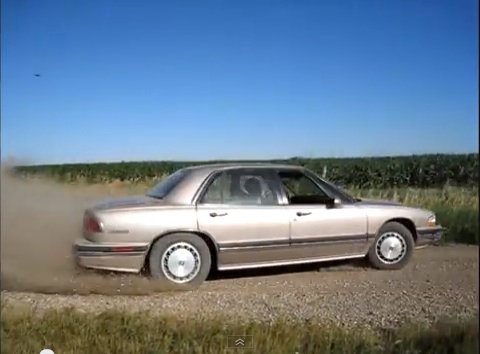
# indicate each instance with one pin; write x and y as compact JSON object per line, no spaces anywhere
{"x":440,"y":282}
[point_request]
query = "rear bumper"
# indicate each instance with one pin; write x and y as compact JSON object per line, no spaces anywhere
{"x":429,"y":235}
{"x":115,"y":257}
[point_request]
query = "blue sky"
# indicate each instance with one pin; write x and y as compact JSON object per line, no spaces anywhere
{"x":154,"y":80}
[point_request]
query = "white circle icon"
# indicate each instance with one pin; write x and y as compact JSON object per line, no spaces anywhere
{"x":47,"y":351}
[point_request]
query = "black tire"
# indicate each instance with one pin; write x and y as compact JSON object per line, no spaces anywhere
{"x":187,"y":241}
{"x":402,"y":234}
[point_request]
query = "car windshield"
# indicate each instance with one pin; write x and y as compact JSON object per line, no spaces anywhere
{"x":340,"y":191}
{"x":166,"y":185}
{"x":336,"y":190}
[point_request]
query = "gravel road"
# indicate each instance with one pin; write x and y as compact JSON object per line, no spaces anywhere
{"x":439,"y":282}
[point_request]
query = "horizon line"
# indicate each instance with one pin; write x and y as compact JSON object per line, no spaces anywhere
{"x":3,"y":161}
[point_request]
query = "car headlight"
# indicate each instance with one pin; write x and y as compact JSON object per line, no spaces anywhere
{"x":432,"y":220}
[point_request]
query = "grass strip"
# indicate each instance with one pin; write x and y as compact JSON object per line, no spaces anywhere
{"x":69,"y":331}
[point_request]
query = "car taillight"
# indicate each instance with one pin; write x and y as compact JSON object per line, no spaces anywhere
{"x":90,"y":224}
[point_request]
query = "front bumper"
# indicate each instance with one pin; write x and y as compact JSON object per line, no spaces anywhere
{"x":115,"y":257}
{"x":429,"y":235}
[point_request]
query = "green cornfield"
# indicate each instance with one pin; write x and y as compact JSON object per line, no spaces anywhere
{"x":421,"y":171}
{"x":445,"y":184}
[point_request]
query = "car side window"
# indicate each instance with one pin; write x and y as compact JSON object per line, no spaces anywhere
{"x":300,"y":189}
{"x":241,"y":187}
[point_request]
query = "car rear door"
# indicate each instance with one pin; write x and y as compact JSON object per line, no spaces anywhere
{"x":249,"y":226}
{"x":320,"y":230}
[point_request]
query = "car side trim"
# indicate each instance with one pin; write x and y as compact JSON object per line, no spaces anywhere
{"x":235,"y":246}
{"x":116,"y":254}
{"x":429,"y":235}
{"x":289,"y":262}
{"x":95,"y":251}
{"x":429,"y":230}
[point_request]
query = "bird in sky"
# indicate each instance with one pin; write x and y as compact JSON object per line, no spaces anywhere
{"x":37,"y":75}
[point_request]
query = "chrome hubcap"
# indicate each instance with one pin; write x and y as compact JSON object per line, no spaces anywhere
{"x":391,"y":247}
{"x":181,"y":262}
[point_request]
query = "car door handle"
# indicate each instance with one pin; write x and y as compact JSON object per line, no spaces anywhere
{"x":303,"y":213}
{"x":213,"y":215}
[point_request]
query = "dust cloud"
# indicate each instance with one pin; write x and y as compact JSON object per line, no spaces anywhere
{"x":39,"y":221}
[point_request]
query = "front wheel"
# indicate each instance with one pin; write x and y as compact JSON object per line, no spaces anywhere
{"x":393,"y":247}
{"x":180,"y":261}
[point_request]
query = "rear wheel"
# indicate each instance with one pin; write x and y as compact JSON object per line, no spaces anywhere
{"x":393,"y":247}
{"x":180,"y":261}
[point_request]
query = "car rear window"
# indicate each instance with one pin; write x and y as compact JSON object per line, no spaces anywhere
{"x":166,"y":185}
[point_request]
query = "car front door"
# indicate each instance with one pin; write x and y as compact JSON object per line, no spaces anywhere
{"x":318,"y":229}
{"x":240,"y":209}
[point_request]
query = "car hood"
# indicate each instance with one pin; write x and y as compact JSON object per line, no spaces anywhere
{"x":137,"y":201}
{"x":377,"y":202}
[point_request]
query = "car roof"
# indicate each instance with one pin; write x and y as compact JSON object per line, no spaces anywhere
{"x":231,"y":165}
{"x":185,"y":191}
